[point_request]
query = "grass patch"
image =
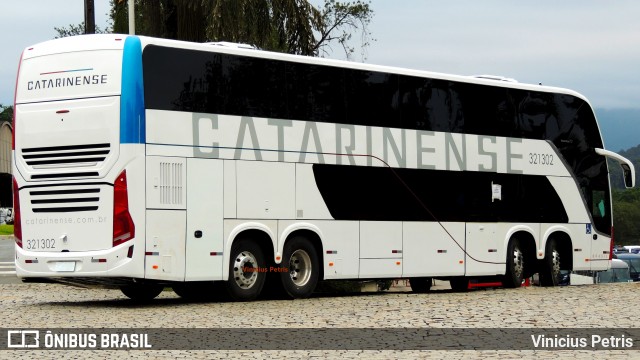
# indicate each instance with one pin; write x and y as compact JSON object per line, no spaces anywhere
{"x":6,"y":229}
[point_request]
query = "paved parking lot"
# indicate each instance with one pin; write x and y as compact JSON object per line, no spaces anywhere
{"x":55,"y":306}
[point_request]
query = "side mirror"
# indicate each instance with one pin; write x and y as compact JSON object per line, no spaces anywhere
{"x":628,"y":176}
{"x":628,"y":170}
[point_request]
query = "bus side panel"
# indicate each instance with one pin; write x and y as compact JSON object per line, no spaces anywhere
{"x":485,"y":253}
{"x":429,"y":250}
{"x":204,"y":237}
{"x":165,"y":250}
{"x":166,"y":189}
{"x":309,"y":201}
{"x":380,"y":249}
{"x":265,"y":190}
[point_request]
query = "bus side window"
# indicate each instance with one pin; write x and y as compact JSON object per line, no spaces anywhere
{"x":599,"y":208}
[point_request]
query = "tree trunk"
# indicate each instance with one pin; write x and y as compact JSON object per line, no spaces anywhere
{"x":191,"y":21}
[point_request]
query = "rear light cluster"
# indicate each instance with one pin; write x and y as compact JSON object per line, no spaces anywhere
{"x":123,"y":227}
{"x":611,"y":245}
{"x":17,"y":223}
{"x":15,"y":109}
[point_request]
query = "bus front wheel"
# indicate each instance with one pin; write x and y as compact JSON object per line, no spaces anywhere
{"x":550,"y":271}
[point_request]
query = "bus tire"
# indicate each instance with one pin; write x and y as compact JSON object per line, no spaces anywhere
{"x":420,"y":285}
{"x":194,"y":290}
{"x":459,"y":284}
{"x":142,"y":292}
{"x":515,"y":265}
{"x":550,"y":269}
{"x":247,"y":271}
{"x":300,"y":268}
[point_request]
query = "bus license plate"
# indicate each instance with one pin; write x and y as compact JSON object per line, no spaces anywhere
{"x":64,"y":266}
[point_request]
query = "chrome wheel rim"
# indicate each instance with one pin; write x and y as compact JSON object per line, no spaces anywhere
{"x":518,"y":262}
{"x":300,"y":268}
{"x":245,"y":270}
{"x":555,"y":264}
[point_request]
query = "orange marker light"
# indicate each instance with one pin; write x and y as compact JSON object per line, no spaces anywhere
{"x":155,"y":267}
{"x":397,"y":262}
{"x":330,"y":264}
{"x":461,"y":262}
{"x":278,"y":258}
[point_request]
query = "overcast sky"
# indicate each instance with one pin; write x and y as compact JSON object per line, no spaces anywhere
{"x":590,"y":46}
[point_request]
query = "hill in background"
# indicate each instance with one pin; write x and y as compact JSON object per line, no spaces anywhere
{"x":620,"y":128}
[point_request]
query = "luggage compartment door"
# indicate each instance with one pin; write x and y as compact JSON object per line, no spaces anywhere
{"x":205,"y":208}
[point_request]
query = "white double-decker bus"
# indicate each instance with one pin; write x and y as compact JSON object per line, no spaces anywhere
{"x":142,"y":163}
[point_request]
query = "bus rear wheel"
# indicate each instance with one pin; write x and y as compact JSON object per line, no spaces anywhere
{"x":247,"y":270}
{"x":195,"y":290}
{"x":550,"y":271}
{"x":300,"y":268}
{"x":142,"y":292}
{"x":459,"y":284}
{"x":420,"y":285}
{"x":515,"y":265}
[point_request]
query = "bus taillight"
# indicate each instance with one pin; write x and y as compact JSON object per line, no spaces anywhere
{"x":15,"y":96}
{"x":611,"y":245}
{"x":17,"y":224}
{"x":123,"y":227}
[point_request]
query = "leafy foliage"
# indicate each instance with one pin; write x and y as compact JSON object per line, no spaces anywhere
{"x":292,"y":26}
{"x":74,"y":30}
{"x":626,"y":202}
{"x":338,"y":19}
{"x":632,"y":154}
{"x":6,"y":113}
{"x":626,"y":216}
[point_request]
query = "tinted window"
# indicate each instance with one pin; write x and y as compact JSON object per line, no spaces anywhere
{"x":435,"y":195}
{"x":429,"y":104}
{"x":315,"y":93}
{"x":190,"y":80}
{"x":372,"y":98}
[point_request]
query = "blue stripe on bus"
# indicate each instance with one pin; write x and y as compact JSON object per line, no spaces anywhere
{"x":132,"y":119}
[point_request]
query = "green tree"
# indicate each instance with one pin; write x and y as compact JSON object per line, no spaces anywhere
{"x":6,"y":113}
{"x":626,"y":202}
{"x":74,"y":30}
{"x":292,"y":26}
{"x":626,"y":216}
